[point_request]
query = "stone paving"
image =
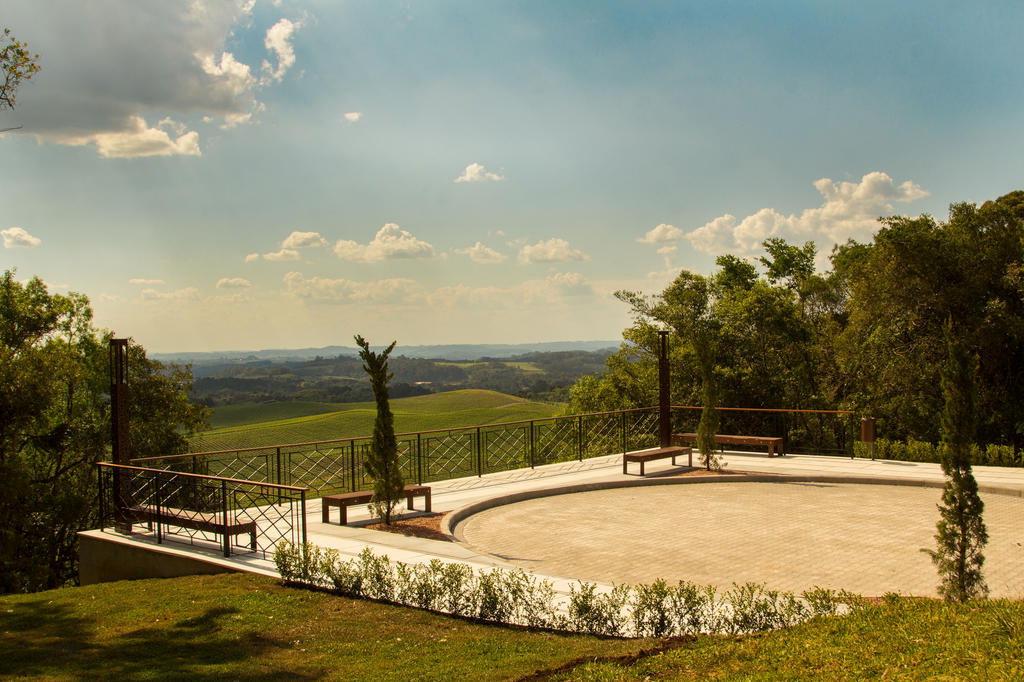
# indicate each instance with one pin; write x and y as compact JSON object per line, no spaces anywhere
{"x":792,"y":536}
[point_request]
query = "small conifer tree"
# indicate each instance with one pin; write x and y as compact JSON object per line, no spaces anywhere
{"x":961,"y":531}
{"x":382,"y":464}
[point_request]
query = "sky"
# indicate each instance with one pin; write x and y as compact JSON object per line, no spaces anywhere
{"x":223,"y":175}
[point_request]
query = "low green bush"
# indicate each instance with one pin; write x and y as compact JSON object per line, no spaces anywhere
{"x":517,"y":598}
{"x":922,"y":451}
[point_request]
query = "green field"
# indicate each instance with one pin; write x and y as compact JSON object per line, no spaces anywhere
{"x":528,"y":367}
{"x":242,"y":414}
{"x":421,"y":413}
{"x":242,"y":626}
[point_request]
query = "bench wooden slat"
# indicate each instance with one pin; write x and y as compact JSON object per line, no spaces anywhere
{"x":773,"y":443}
{"x":345,"y":500}
{"x":651,"y":455}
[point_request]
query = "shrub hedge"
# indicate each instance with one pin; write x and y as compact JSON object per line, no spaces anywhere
{"x":515,"y":597}
{"x":921,"y":451}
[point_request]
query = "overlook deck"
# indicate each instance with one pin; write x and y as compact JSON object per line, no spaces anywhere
{"x":458,"y":495}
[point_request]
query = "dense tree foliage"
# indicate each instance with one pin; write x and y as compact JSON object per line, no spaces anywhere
{"x":865,"y":334}
{"x":55,"y":422}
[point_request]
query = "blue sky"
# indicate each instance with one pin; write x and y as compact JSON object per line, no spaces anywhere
{"x":602,"y":146}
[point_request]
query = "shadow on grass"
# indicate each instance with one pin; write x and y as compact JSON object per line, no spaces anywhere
{"x":46,"y":639}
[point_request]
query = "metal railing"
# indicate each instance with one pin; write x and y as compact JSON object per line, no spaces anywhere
{"x":338,"y":465}
{"x":230,"y":514}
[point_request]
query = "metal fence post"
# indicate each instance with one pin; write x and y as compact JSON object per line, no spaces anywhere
{"x":623,"y":426}
{"x":352,"y":464}
{"x":302,"y":501}
{"x":479,"y":455}
{"x":224,"y":511}
{"x":102,"y":502}
{"x":156,"y":496}
{"x":419,"y":459}
{"x":579,"y":440}
{"x":533,"y":446}
{"x":278,"y":458}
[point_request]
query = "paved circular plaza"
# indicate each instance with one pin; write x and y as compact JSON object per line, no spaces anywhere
{"x":793,"y":536}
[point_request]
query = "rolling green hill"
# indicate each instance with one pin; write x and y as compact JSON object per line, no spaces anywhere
{"x":301,"y":422}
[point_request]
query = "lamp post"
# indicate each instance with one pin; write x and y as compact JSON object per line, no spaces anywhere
{"x":119,"y":428}
{"x":664,"y":392}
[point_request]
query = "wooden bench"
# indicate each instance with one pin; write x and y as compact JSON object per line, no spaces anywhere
{"x":651,"y":455}
{"x":208,"y":522}
{"x":345,"y":500}
{"x":773,"y":443}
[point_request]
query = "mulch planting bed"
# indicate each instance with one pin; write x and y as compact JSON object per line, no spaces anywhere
{"x":423,"y":526}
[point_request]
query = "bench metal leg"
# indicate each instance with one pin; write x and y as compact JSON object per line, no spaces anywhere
{"x":641,"y":467}
{"x":252,"y":540}
{"x":325,"y":513}
{"x":426,"y":502}
{"x":624,"y":470}
{"x":344,"y":514}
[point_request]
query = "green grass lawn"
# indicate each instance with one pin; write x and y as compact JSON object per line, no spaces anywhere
{"x":906,"y":639}
{"x":420,"y":413}
{"x":249,"y":627}
{"x":246,"y":627}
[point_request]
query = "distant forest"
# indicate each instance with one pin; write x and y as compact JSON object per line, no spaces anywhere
{"x":539,"y":376}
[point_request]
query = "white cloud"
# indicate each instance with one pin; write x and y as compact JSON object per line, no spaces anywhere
{"x":301,"y":240}
{"x":661,"y":233}
{"x":353,"y":116}
{"x":477,"y":173}
{"x":233,"y":75}
{"x":137,"y":139}
{"x":188,"y":294}
{"x":250,"y":257}
{"x":848,"y":210}
{"x":391,"y":241}
{"x":233,"y":283}
{"x":481,"y":253}
{"x":667,"y":250}
{"x":165,"y":61}
{"x":282,"y":255}
{"x":145,"y":282}
{"x":327,"y":290}
{"x":279,"y":42}
{"x":553,"y":250}
{"x":17,"y":237}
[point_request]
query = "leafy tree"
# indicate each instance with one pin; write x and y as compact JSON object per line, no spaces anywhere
{"x":382,"y":464}
{"x":788,"y":263}
{"x":961,"y":532}
{"x":55,"y":423}
{"x":17,"y":65}
{"x":688,"y":306}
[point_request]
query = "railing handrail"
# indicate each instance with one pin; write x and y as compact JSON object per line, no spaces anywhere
{"x":408,"y":434}
{"x":765,"y":409}
{"x":399,"y":436}
{"x":150,"y":470}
